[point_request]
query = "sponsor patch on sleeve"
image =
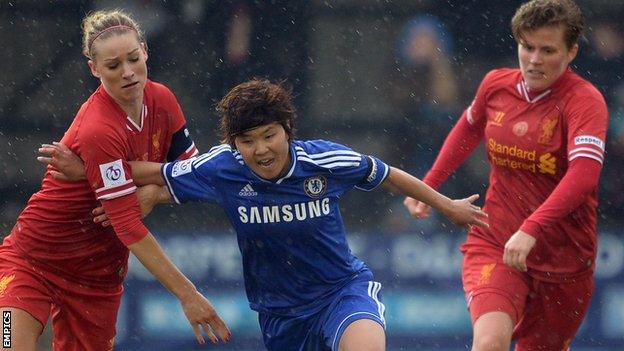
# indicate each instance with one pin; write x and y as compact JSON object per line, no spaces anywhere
{"x":589,"y":139}
{"x":372,"y":174}
{"x":182,"y":167}
{"x":113,"y":174}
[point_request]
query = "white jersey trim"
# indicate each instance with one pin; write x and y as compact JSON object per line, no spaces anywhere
{"x":582,"y":154}
{"x":469,"y":116}
{"x":117,"y":194}
{"x":191,"y":148}
{"x":524,"y":91}
{"x":586,"y":152}
{"x":143,"y":114}
{"x":114,"y":186}
{"x":330,"y":159}
{"x":211,"y":154}
{"x":373,"y":292}
{"x":169,"y":187}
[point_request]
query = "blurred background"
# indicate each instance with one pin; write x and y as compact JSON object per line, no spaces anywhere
{"x":388,"y":78}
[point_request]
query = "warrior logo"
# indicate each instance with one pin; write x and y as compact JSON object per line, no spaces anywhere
{"x":497,"y":120}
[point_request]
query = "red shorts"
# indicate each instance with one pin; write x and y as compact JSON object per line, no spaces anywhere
{"x":546,"y":315}
{"x":83,"y":318}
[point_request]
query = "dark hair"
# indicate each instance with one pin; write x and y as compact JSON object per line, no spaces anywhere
{"x":255,"y":103}
{"x":102,"y":24}
{"x":542,"y":13}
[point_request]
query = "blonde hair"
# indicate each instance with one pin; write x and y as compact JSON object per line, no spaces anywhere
{"x":103,"y":24}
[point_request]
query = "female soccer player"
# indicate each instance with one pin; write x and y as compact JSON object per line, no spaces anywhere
{"x":529,"y":276}
{"x":281,"y":196}
{"x":56,"y":260}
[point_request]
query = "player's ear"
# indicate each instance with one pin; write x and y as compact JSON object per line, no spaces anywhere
{"x":93,"y":68}
{"x":288,"y":130}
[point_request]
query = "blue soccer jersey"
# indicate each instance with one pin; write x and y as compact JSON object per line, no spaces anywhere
{"x":290,"y":231}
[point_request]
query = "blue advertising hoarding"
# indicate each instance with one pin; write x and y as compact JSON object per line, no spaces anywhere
{"x":425,"y":306}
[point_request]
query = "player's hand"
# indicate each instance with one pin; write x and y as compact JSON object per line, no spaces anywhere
{"x":99,"y":216}
{"x":201,"y":314}
{"x":465,"y":214}
{"x":149,"y":195}
{"x":517,"y":249}
{"x":416,"y":209}
{"x":67,"y":166}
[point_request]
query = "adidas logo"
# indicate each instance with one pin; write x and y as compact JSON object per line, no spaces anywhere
{"x":247,"y":190}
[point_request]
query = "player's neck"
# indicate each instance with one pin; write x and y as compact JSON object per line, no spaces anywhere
{"x":133,"y":110}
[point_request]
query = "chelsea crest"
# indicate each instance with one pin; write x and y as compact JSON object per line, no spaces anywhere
{"x":315,"y":186}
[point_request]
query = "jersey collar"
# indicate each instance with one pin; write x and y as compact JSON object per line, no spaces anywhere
{"x":130,"y":125}
{"x":293,"y":163}
{"x":533,"y":97}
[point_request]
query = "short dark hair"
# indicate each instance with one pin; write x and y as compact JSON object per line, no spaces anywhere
{"x":543,"y":13}
{"x":255,"y":103}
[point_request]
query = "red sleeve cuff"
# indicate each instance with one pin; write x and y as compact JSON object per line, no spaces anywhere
{"x":125,"y":216}
{"x":134,"y":234}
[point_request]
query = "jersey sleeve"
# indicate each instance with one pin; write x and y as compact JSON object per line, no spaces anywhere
{"x":475,"y":113}
{"x":586,"y":117}
{"x":364,"y":172}
{"x":376,"y":172}
{"x":576,"y":185}
{"x":463,"y":138}
{"x":102,"y":147}
{"x":182,"y":145}
{"x":195,"y":179}
{"x":587,"y":126}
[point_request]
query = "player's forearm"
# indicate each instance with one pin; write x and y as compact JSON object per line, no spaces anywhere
{"x":577,"y":184}
{"x":408,"y":185}
{"x":459,"y":144}
{"x":151,"y":255}
{"x":144,"y":173}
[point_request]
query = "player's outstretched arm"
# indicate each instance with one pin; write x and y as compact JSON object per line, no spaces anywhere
{"x":198,"y":310}
{"x":461,"y":212}
{"x":69,"y":167}
{"x":149,"y":196}
{"x":144,"y":173}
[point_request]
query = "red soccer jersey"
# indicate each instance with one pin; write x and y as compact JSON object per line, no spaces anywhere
{"x":56,"y":228}
{"x":530,"y":142}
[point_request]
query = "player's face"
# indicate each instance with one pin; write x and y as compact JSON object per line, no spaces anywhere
{"x":265,"y":150}
{"x":120,"y":63}
{"x":544,"y":56}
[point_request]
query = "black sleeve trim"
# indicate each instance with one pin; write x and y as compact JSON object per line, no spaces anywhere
{"x":180,"y":142}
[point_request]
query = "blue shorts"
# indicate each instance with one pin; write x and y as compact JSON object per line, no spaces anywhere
{"x":321,"y":331}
